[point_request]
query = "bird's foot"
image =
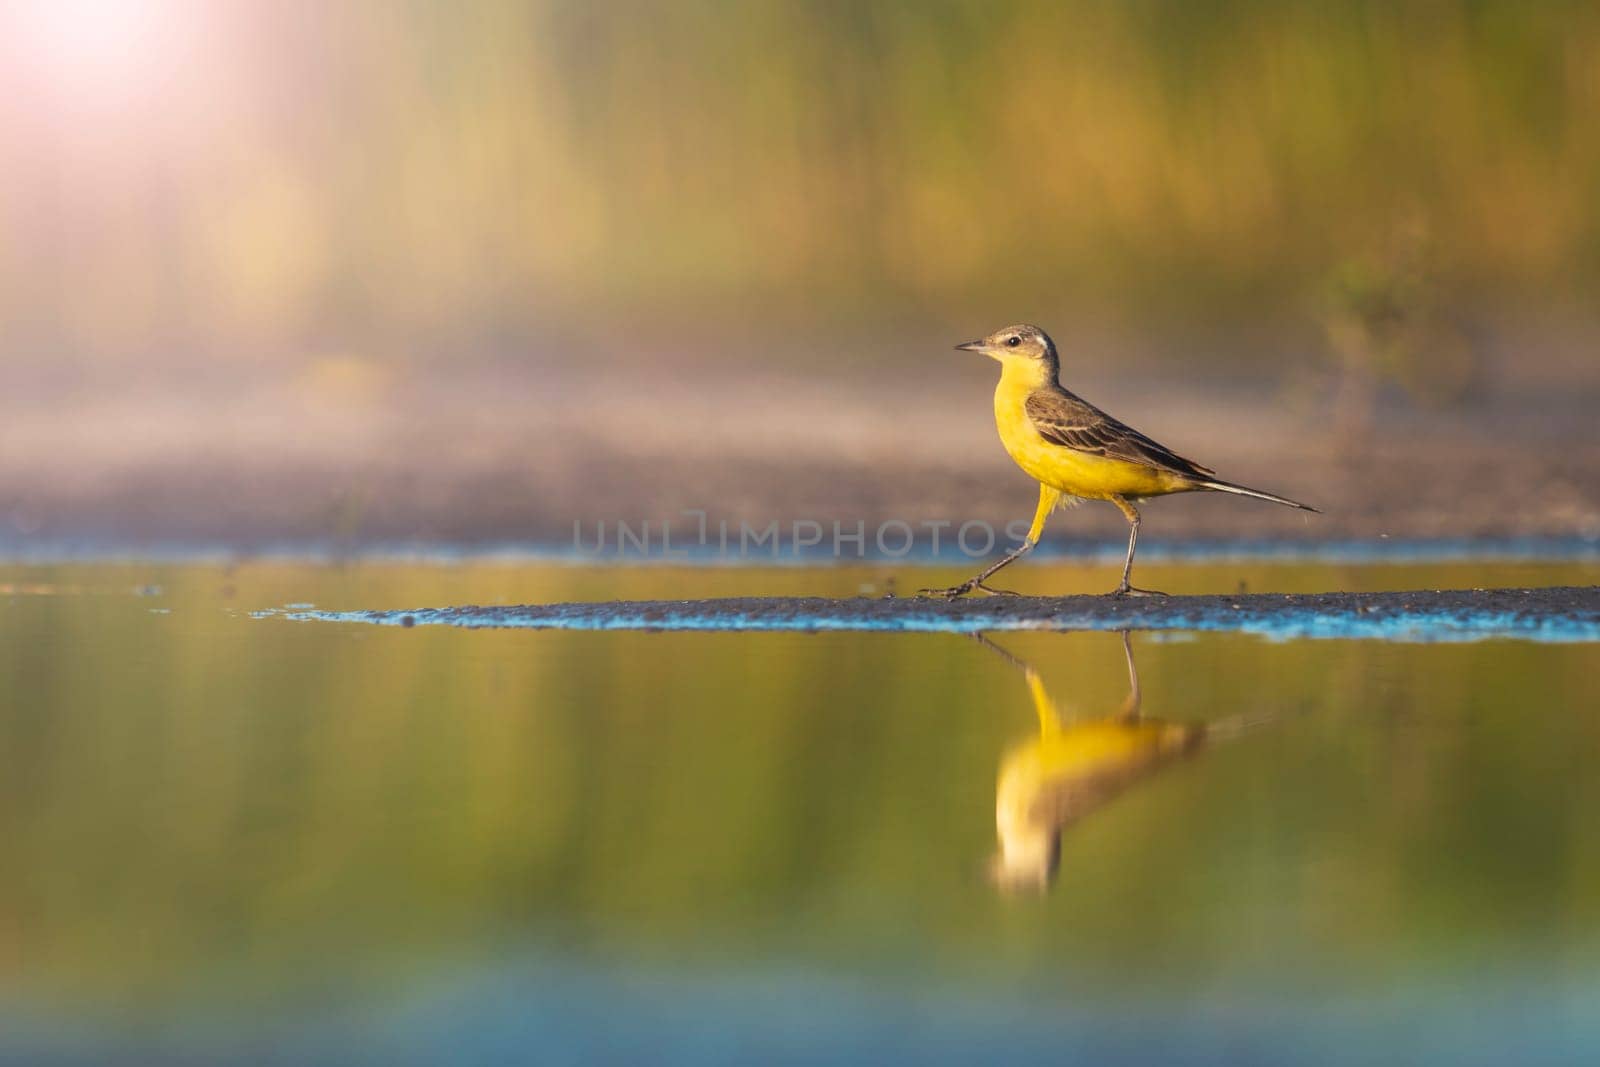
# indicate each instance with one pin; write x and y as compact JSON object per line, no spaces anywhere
{"x":992,"y":591}
{"x":1128,"y":590}
{"x":968,"y":586}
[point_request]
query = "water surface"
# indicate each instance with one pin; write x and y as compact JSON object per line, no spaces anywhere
{"x":259,"y":838}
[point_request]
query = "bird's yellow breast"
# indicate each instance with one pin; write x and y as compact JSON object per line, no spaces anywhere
{"x":1075,"y":473}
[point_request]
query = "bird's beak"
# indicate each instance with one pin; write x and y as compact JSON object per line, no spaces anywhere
{"x":971,"y":346}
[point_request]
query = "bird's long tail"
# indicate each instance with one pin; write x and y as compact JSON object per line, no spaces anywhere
{"x":1242,"y":490}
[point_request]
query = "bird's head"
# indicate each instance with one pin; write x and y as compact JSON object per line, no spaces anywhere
{"x":1020,"y":348}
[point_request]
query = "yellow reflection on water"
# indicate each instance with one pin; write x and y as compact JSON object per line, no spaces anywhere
{"x":1074,"y":767}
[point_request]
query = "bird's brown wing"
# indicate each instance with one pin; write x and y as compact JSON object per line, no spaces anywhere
{"x":1074,"y":423}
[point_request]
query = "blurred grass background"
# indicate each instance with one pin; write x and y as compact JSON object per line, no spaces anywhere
{"x":248,"y":181}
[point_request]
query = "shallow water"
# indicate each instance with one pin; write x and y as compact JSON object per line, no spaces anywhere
{"x":241,"y":837}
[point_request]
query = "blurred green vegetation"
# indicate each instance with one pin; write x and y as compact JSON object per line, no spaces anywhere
{"x":201,"y":806}
{"x":252,"y":180}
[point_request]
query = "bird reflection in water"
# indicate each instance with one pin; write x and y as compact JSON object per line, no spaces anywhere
{"x":1073,"y":768}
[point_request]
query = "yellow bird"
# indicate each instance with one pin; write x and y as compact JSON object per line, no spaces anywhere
{"x":1076,"y":452}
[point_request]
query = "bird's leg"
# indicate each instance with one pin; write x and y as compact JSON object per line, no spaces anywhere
{"x":977,"y":580}
{"x":1132,"y":515}
{"x":1048,"y":498}
{"x":1049,"y":716}
{"x":1130,"y":706}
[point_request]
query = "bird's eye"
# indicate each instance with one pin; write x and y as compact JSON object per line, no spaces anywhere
{"x":1013,"y":342}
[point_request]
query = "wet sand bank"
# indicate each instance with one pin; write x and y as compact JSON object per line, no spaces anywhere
{"x":1554,"y":614}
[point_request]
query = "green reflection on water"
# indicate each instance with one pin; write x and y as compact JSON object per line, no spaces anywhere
{"x":198,"y":805}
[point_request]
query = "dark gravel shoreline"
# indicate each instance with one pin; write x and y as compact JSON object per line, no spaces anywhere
{"x":1570,"y":613}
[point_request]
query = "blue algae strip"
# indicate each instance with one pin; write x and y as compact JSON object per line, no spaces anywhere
{"x":1567,"y":614}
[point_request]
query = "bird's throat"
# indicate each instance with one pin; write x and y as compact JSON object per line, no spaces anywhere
{"x":1020,"y":377}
